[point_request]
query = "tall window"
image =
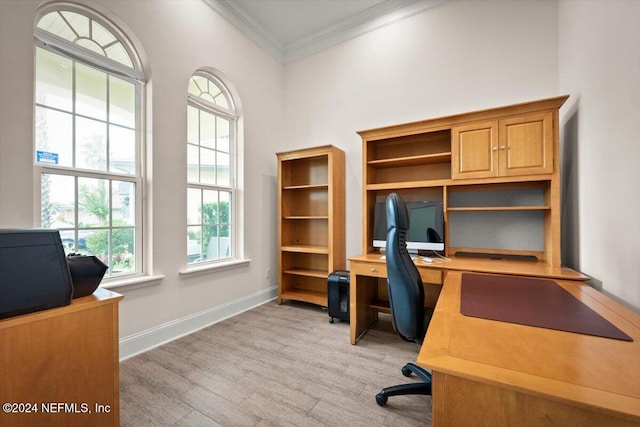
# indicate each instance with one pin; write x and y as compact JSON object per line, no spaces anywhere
{"x":88,"y":91}
{"x":211,"y":123}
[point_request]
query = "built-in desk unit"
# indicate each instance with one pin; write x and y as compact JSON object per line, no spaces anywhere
{"x":496,"y":172}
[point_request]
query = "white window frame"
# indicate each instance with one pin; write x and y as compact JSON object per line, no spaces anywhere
{"x":64,"y":48}
{"x":231,"y":115}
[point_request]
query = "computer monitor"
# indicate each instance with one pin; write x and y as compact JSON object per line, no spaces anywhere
{"x":426,"y":226}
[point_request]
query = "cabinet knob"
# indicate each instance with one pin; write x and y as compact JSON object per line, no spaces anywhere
{"x":502,"y":147}
{"x":495,"y":148}
{"x":373,"y":270}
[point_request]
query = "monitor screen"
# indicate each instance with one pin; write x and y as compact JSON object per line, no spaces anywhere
{"x":426,"y":226}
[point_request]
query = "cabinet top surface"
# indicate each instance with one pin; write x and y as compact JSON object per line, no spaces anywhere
{"x":307,"y":152}
{"x":521,"y":108}
{"x":101,"y":296}
{"x":580,"y":368}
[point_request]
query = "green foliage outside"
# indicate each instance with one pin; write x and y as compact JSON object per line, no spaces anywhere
{"x":122,"y":258}
{"x":212,"y":214}
{"x":95,"y":201}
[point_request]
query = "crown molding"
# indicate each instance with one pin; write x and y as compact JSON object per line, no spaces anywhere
{"x":248,"y":26}
{"x":368,"y":20}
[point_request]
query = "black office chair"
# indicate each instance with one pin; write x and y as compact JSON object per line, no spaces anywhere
{"x":406,"y":297}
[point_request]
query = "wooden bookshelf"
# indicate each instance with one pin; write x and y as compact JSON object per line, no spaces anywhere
{"x":311,"y":230}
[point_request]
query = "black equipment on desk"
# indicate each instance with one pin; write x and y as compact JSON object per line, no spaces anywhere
{"x":338,"y":295}
{"x":87,"y":272}
{"x":33,"y":271}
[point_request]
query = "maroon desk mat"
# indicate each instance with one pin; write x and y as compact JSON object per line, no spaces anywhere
{"x":533,"y":302}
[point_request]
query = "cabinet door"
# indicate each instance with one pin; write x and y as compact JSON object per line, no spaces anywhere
{"x":526,"y":145}
{"x":474,"y":150}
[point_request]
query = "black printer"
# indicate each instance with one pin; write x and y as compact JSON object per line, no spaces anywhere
{"x":34,"y":274}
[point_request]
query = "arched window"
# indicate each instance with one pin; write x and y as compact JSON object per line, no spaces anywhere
{"x":211,"y":172}
{"x":88,"y":95}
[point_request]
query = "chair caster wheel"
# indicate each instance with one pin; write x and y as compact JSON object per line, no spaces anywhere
{"x":406,"y":371}
{"x":381,"y":399}
{"x":330,"y":319}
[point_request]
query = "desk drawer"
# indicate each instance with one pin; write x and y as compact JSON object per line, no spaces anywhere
{"x":431,"y":275}
{"x":377,"y":269}
{"x":372,"y":269}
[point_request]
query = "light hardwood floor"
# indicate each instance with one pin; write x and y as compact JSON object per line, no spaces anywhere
{"x":274,"y":365}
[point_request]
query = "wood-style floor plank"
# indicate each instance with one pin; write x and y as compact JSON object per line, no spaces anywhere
{"x":274,"y":365}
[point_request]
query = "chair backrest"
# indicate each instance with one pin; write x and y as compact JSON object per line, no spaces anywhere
{"x":406,"y":294}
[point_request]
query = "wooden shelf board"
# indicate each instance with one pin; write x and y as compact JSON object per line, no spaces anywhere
{"x":381,"y":305}
{"x":485,"y":182}
{"x":498,"y":208}
{"x":306,"y":217}
{"x":408,"y":184}
{"x":318,"y":298}
{"x":323,"y":274}
{"x":306,"y":249}
{"x":305,"y":186}
{"x":425,"y":159}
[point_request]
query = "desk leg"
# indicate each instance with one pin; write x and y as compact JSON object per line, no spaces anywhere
{"x":362,"y":290}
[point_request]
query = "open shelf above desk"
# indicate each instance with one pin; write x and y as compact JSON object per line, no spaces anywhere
{"x":424,"y":159}
{"x":499,"y":208}
{"x":436,"y":183}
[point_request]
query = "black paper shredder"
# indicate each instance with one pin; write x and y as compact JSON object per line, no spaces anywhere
{"x":338,"y":295}
{"x":33,"y":271}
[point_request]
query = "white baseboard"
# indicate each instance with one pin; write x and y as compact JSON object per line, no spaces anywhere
{"x":146,"y":340}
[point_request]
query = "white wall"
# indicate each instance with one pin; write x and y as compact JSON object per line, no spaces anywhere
{"x":462,"y":56}
{"x":178,"y":37}
{"x":600,"y":67}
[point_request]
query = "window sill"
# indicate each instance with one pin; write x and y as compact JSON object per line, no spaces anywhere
{"x":197,"y":270}
{"x":132,"y":283}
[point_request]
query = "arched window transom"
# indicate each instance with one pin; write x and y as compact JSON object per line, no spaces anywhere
{"x":209,"y":91}
{"x":85,"y":32}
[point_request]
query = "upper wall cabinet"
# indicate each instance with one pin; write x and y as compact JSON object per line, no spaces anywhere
{"x":514,"y":146}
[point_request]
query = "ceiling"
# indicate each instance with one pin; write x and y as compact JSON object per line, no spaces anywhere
{"x":292,"y":29}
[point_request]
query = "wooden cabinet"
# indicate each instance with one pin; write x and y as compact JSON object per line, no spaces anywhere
{"x":520,"y":145}
{"x":63,"y":364}
{"x":475,"y":150}
{"x":526,"y":144}
{"x":492,"y":169}
{"x":311,"y":214}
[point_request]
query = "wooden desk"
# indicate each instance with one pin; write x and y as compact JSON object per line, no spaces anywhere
{"x":60,"y":360}
{"x":366,"y":290}
{"x":488,"y":373}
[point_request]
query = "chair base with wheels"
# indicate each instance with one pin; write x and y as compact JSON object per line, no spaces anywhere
{"x":423,"y":387}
